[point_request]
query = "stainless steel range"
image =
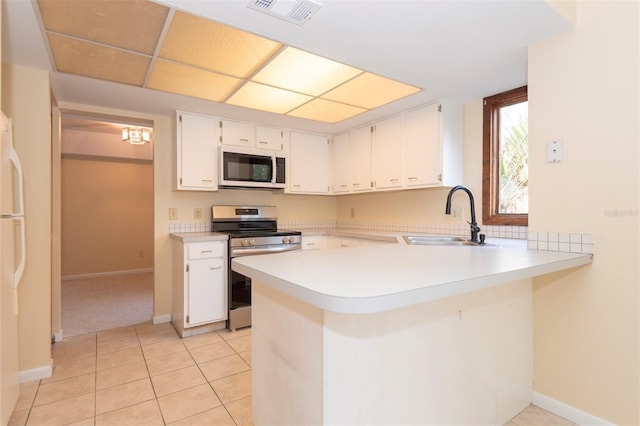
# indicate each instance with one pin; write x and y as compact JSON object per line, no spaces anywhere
{"x":253,"y":230}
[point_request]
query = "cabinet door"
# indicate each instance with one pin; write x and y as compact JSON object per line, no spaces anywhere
{"x":360,"y":159}
{"x":196,"y":157}
{"x":423,"y":147}
{"x":207,"y":291}
{"x":310,"y":163}
{"x":313,"y":242}
{"x":237,"y":133}
{"x":341,"y":163}
{"x":270,"y":138}
{"x":386,"y":153}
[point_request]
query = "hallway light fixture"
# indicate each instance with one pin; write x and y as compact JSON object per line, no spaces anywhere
{"x":136,"y":135}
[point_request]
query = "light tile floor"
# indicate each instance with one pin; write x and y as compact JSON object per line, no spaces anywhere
{"x":143,"y":375}
{"x":147,"y":375}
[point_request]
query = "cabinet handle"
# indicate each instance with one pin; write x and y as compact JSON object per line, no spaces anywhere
{"x":296,"y":186}
{"x":215,"y":267}
{"x":356,"y":184}
{"x":393,"y":180}
{"x":343,"y":186}
{"x":207,"y":180}
{"x":413,"y":178}
{"x":311,"y":244}
{"x":244,"y":140}
{"x":206,"y":251}
{"x":262,"y":142}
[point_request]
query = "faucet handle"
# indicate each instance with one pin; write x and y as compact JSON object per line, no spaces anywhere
{"x":474,"y":226}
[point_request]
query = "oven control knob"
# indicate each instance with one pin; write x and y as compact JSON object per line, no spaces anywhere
{"x":245,"y":242}
{"x":252,"y":242}
{"x":285,"y":240}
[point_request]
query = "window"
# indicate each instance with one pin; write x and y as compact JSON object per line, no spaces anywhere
{"x":505,"y":155}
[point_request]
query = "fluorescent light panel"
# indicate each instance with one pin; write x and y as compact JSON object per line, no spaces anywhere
{"x":303,"y":72}
{"x":267,"y":98}
{"x":116,"y":41}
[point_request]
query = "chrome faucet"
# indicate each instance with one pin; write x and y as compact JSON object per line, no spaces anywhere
{"x":474,"y":225}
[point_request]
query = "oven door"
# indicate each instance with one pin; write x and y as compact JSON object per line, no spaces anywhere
{"x":240,"y":285}
{"x":239,"y":301}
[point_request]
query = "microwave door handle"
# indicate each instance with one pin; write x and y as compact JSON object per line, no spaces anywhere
{"x":274,"y":168}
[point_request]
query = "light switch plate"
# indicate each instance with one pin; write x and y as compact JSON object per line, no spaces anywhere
{"x":555,"y":151}
{"x":173,"y":213}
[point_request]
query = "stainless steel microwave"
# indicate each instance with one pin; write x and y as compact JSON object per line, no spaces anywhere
{"x":251,"y":168}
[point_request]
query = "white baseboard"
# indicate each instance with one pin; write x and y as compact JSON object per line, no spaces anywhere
{"x":567,"y":411}
{"x":159,"y":319}
{"x":37,"y":373}
{"x":57,"y":337}
{"x":106,"y":274}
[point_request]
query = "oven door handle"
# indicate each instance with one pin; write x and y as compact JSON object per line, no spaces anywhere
{"x":250,"y":251}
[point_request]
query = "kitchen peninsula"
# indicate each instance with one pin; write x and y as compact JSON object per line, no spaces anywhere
{"x":395,"y":334}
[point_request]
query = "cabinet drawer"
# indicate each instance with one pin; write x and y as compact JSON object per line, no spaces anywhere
{"x":206,"y":249}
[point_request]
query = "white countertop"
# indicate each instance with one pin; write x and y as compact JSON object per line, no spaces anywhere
{"x":194,"y":237}
{"x":388,"y":276}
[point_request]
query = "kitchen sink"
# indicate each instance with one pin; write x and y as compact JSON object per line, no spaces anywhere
{"x":437,"y":240}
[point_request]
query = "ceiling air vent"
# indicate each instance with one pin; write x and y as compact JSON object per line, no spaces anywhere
{"x":296,"y":11}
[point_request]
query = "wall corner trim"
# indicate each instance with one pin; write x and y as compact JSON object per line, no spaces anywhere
{"x":570,"y":413}
{"x":37,"y":373}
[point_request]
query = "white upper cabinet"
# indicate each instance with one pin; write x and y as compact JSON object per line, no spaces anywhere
{"x":196,"y":152}
{"x":360,"y":159}
{"x":341,"y":163}
{"x":238,"y":133}
{"x":386,"y":153}
{"x":270,"y":138}
{"x":422,"y":149}
{"x":433,"y":146}
{"x":309,"y":163}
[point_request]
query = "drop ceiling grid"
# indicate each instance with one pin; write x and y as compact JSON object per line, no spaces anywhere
{"x":172,"y":51}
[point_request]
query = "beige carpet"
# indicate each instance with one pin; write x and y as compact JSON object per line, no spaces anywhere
{"x":95,"y":304}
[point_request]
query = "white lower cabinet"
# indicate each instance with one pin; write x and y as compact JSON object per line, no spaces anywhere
{"x":199,"y":281}
{"x":313,"y":242}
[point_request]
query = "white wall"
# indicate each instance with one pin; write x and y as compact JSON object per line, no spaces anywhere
{"x":584,"y":89}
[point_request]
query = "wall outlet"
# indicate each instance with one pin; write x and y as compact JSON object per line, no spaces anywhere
{"x":457,"y":213}
{"x":197,"y":213}
{"x":173,"y":213}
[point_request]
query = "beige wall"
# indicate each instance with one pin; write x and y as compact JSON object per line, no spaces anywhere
{"x":107,"y":212}
{"x":26,"y":99}
{"x":290,"y":207}
{"x":584,"y":89}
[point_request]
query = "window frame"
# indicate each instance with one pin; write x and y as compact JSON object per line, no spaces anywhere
{"x":490,"y":161}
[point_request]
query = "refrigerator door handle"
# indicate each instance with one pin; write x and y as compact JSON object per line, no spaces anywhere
{"x":19,"y":215}
{"x":17,"y":275}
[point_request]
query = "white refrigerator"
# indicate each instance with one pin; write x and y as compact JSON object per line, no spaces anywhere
{"x":12,"y":259}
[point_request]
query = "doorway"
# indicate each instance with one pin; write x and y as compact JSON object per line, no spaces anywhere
{"x":106,"y":224}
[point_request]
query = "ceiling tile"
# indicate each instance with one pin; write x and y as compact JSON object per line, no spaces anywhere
{"x":186,"y":80}
{"x":216,"y":47}
{"x":303,"y":72}
{"x":133,"y":24}
{"x":267,"y":98}
{"x":370,"y":91}
{"x":326,"y":111}
{"x":97,"y":61}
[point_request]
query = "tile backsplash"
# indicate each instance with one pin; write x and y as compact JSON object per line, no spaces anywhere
{"x":563,"y":242}
{"x":550,"y":241}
